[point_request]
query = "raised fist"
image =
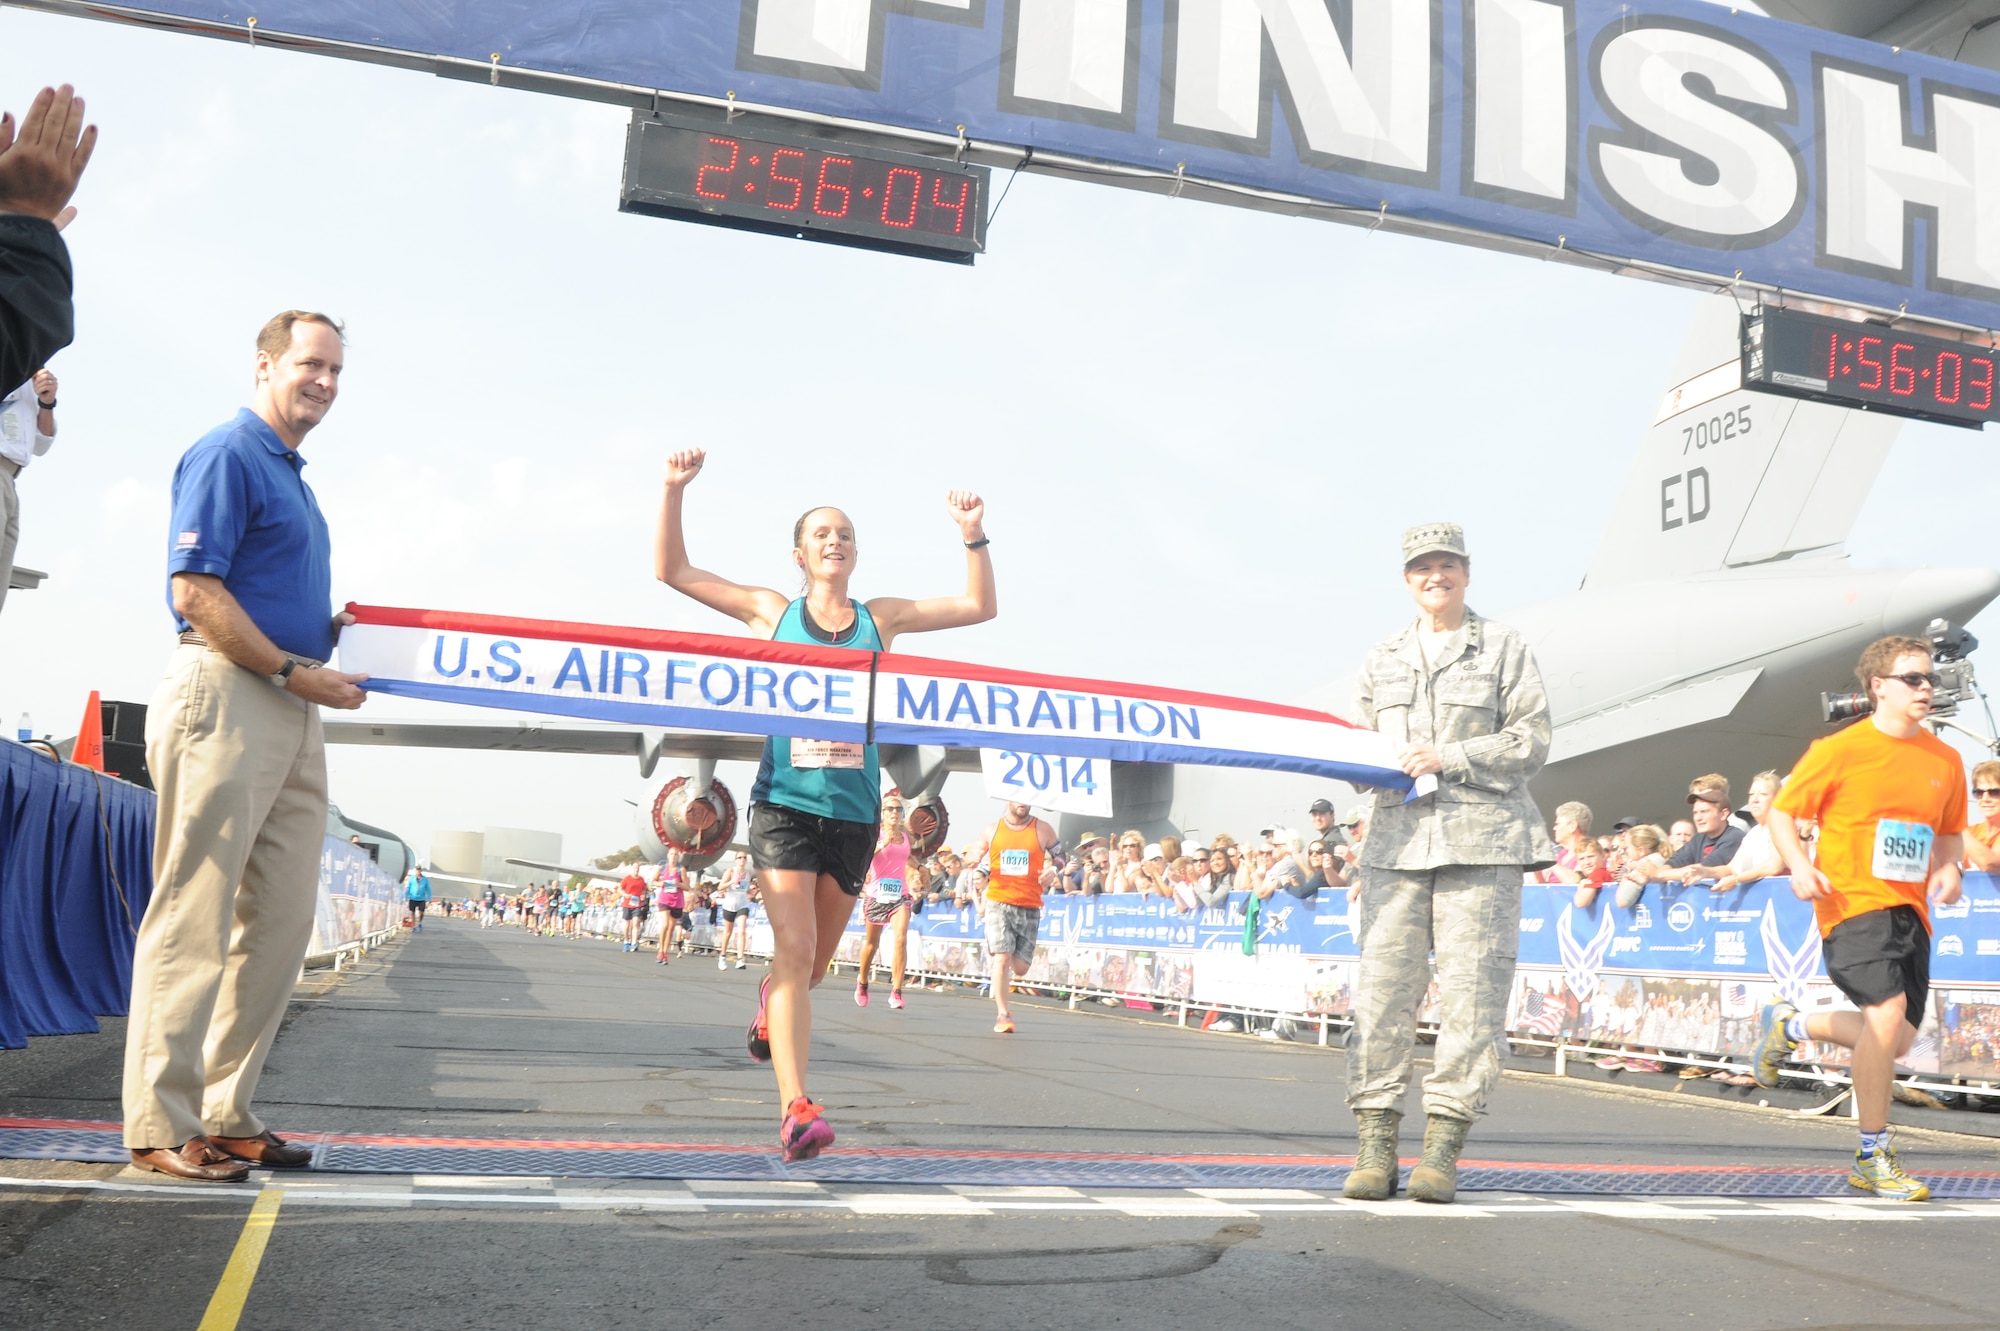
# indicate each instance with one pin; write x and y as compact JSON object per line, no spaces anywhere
{"x":684,"y":466}
{"x":968,"y":510}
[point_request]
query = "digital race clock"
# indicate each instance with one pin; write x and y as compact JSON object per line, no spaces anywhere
{"x":788,"y":182}
{"x":1871,"y":366}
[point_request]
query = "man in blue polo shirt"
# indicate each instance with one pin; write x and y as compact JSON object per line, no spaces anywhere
{"x":234,"y":746}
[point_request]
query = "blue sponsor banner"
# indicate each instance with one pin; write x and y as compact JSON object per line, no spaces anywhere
{"x":1761,"y":931}
{"x":355,"y":897}
{"x":1685,"y":969}
{"x":1677,"y":136}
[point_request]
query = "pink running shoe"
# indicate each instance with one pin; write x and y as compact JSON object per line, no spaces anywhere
{"x":896,"y":999}
{"x":760,"y":1027}
{"x":861,"y":995}
{"x":804,"y":1134}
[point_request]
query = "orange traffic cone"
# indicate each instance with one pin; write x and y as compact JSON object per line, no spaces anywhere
{"x":89,"y":750}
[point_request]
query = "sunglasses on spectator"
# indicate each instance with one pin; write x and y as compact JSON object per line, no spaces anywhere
{"x":1916,"y":679}
{"x":1987,"y":792}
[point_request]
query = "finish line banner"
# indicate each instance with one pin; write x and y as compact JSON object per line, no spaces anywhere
{"x":702,"y":681}
{"x":1681,"y":138}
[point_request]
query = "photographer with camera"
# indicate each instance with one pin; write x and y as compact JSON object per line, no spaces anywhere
{"x":1889,"y":797}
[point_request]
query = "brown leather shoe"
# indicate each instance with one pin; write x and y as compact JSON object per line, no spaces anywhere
{"x":196,"y":1159}
{"x":267,"y":1149}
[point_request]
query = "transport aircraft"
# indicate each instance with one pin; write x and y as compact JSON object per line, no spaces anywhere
{"x":1726,"y":538}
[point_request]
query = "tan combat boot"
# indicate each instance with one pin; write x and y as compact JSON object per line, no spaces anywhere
{"x":1435,"y":1179}
{"x":1373,"y":1178}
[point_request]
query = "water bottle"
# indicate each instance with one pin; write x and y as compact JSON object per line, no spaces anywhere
{"x":24,"y":729}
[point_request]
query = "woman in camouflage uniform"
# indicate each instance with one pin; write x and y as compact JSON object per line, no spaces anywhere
{"x":1462,"y":699}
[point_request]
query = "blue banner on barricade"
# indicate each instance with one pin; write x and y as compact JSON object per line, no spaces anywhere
{"x":355,"y":897}
{"x":1685,"y":970}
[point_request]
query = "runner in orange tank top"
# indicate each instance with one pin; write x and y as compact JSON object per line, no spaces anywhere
{"x":1017,"y":851}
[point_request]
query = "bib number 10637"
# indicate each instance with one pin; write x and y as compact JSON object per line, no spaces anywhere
{"x":1048,"y":781}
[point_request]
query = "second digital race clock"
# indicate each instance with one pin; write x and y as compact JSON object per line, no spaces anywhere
{"x":789,"y":182}
{"x":1870,"y":366}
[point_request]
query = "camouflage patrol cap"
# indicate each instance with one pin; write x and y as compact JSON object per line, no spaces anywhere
{"x":1434,"y":538}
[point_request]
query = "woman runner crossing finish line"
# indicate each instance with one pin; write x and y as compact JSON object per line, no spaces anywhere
{"x":816,"y":804}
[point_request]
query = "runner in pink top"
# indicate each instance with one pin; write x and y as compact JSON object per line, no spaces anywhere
{"x":886,"y":900}
{"x":670,"y":898}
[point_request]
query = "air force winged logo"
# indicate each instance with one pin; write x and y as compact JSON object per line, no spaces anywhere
{"x":1790,"y":969}
{"x":1582,"y":960}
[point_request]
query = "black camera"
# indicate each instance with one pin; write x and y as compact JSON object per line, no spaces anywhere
{"x":1950,"y":645}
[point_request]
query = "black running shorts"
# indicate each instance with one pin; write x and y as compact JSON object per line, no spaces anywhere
{"x":632,"y":912}
{"x":782,"y":838}
{"x":1876,"y":955}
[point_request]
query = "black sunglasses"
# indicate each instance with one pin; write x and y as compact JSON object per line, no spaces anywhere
{"x":1987,"y":792}
{"x":1916,"y":679}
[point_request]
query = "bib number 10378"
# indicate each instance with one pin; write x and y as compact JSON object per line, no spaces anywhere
{"x":1048,"y":781}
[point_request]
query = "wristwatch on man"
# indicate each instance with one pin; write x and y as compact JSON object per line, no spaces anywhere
{"x":284,"y":672}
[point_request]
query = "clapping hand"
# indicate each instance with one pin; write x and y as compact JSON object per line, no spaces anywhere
{"x":43,"y":157}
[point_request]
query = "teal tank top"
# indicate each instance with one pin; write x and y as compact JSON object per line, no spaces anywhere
{"x":853,"y":794}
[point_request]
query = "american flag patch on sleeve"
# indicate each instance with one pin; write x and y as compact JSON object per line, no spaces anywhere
{"x":190,"y":539}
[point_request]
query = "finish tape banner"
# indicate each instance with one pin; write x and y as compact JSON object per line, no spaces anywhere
{"x":1675,"y":137}
{"x":750,"y":686}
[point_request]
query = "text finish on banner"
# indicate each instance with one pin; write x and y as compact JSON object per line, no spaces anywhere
{"x":1056,"y":782}
{"x":1676,"y":139}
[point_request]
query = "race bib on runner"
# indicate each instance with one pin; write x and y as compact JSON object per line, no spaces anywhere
{"x":813,"y":754}
{"x":1902,"y":851}
{"x":1014,"y":863}
{"x":888,"y":889}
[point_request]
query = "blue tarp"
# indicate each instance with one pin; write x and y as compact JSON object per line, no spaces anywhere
{"x":76,"y":852}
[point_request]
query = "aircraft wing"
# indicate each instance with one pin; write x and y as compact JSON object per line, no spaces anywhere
{"x":461,"y":878}
{"x":648,"y":746}
{"x":609,"y":876}
{"x":529,"y":737}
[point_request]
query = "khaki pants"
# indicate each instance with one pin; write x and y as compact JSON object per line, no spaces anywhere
{"x":240,"y":766}
{"x":1470,"y":915}
{"x":10,"y":527}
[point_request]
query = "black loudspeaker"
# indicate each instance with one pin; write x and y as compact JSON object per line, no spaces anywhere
{"x":128,"y":762}
{"x":124,"y":722}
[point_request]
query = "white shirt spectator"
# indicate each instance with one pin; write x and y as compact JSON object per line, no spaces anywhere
{"x":1755,"y":852}
{"x":21,"y":439}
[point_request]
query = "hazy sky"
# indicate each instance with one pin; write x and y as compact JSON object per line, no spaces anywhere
{"x":1199,"y":430}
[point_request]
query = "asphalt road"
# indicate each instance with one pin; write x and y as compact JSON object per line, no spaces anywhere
{"x":464,"y":1033}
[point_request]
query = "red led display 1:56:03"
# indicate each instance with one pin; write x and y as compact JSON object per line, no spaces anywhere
{"x":795,"y":181}
{"x":1878,"y":364}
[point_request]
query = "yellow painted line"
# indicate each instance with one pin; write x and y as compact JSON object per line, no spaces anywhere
{"x":226,"y":1305}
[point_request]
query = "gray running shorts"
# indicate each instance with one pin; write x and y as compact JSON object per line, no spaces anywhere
{"x":1012,"y":929}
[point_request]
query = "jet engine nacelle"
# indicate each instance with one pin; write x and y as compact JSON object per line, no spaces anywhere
{"x":929,"y":824}
{"x":690,"y":815}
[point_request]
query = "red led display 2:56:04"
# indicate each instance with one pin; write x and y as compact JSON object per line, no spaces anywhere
{"x":745,"y":174}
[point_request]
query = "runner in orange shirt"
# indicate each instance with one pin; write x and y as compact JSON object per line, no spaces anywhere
{"x":1017,"y":848}
{"x":1890,"y":800}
